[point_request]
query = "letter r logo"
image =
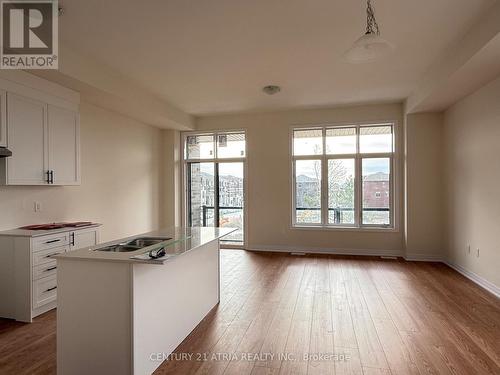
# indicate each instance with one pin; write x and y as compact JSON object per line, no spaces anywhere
{"x":27,"y":27}
{"x":18,"y":28}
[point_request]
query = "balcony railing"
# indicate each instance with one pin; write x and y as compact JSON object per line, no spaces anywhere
{"x":206,"y":209}
{"x":338,"y":213}
{"x":235,"y":237}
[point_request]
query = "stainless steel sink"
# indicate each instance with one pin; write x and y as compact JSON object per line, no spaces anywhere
{"x":120,"y":248}
{"x":135,"y":244}
{"x":147,"y":241}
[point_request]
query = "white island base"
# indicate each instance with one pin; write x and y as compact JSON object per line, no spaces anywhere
{"x":122,"y":317}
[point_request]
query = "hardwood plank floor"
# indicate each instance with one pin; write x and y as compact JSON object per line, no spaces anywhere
{"x":352,"y":315}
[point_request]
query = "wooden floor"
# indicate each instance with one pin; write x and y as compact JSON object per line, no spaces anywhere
{"x":352,"y":315}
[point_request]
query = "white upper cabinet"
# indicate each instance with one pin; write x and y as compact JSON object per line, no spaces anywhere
{"x":39,"y":123}
{"x":3,"y":118}
{"x":64,"y":146}
{"x":27,"y":129}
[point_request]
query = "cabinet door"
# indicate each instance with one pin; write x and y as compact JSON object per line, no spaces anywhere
{"x":27,"y":129}
{"x":3,"y":118}
{"x":83,"y":238}
{"x":64,"y":145}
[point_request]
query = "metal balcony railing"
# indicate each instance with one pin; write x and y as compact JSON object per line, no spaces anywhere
{"x":338,"y":212}
{"x":206,"y":209}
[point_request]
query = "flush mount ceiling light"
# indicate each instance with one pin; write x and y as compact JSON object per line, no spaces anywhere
{"x":370,"y":46}
{"x":271,"y":89}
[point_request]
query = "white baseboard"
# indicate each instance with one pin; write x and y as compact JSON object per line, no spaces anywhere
{"x":322,"y":250}
{"x":423,"y":258}
{"x":482,"y":282}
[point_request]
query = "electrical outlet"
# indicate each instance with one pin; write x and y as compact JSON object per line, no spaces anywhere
{"x":37,"y":206}
{"x":477,"y":253}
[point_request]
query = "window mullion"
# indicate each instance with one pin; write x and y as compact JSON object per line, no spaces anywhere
{"x":359,"y":183}
{"x":294,"y":194}
{"x":376,"y":155}
{"x":324,"y":194}
{"x":188,"y":192}
{"x":216,"y":195}
{"x":216,"y":147}
{"x":391,"y":192}
{"x":356,"y":192}
{"x":324,"y":181}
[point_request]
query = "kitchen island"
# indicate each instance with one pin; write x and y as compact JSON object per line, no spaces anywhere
{"x":121,"y":312}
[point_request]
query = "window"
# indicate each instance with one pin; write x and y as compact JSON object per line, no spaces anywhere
{"x":343,"y":176}
{"x":214,"y":182}
{"x":308,"y":191}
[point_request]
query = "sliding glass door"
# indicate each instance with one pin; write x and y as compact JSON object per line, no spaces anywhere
{"x":215,"y":182}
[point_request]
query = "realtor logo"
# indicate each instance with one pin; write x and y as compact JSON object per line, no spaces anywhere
{"x":29,"y":34}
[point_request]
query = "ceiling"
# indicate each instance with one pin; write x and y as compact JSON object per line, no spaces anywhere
{"x":482,"y":68}
{"x":208,"y":57}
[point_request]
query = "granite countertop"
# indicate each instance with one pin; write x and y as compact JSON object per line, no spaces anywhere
{"x":181,"y":241}
{"x":38,"y":233}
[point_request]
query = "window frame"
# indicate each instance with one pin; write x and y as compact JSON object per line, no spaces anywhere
{"x":184,"y":175}
{"x":358,"y":157}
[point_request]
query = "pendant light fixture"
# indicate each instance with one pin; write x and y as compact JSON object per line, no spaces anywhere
{"x":370,"y":46}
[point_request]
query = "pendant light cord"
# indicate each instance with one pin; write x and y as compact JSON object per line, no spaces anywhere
{"x":371,"y":22}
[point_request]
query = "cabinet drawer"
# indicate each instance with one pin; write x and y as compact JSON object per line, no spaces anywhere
{"x":44,"y":291}
{"x":44,"y":270}
{"x":51,"y":241}
{"x":45,"y":256}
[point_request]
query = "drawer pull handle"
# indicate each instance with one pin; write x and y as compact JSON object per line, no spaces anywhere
{"x":50,"y":255}
{"x":54,"y":287}
{"x":50,"y":269}
{"x":52,"y":241}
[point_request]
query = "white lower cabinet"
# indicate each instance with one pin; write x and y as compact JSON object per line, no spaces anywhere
{"x":44,"y":291}
{"x":83,"y":238}
{"x":28,"y":271}
{"x":43,"y":270}
{"x":45,"y":256}
{"x":45,"y":243}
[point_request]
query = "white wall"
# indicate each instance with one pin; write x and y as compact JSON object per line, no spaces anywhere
{"x":472,"y":180}
{"x":424,"y":187}
{"x":121,"y":180}
{"x":269,"y":176}
{"x":172,"y":185}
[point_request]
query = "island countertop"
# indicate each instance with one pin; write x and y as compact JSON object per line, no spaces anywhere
{"x":181,"y":240}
